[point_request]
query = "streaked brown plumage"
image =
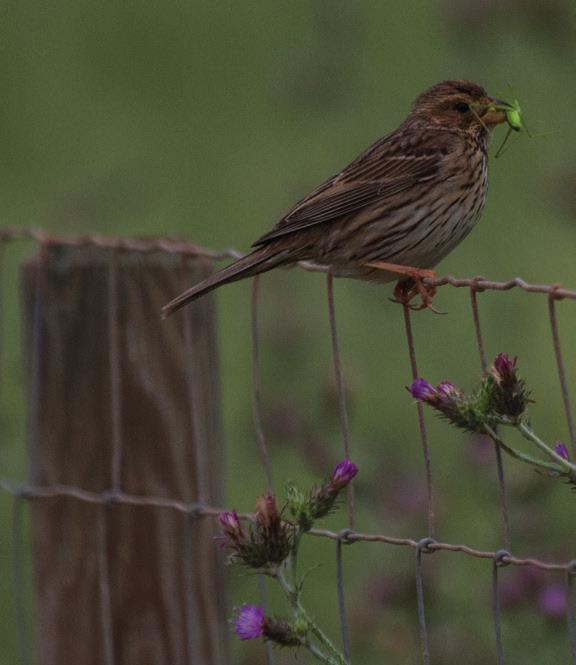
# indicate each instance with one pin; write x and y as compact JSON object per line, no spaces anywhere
{"x":408,"y":200}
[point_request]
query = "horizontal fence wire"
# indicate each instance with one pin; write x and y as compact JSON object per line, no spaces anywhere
{"x":198,"y":508}
{"x":180,"y":246}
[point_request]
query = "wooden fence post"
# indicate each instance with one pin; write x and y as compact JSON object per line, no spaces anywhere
{"x":123,"y":403}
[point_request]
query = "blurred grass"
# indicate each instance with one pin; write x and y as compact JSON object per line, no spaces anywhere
{"x":211,"y":119}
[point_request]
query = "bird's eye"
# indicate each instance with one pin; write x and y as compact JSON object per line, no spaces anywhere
{"x":462,"y":107}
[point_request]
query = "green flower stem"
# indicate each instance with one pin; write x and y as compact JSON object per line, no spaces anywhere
{"x":528,"y":434}
{"x":294,"y":558}
{"x":314,"y":650}
{"x":293,"y":595}
{"x":518,"y":455}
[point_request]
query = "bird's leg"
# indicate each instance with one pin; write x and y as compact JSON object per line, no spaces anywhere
{"x":411,"y":285}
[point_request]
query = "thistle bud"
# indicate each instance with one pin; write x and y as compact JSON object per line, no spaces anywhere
{"x":561,"y":449}
{"x":504,"y":366}
{"x":423,"y":391}
{"x":229,"y":522}
{"x":466,"y":412}
{"x":267,"y":511}
{"x":343,"y":474}
{"x":447,"y":389}
{"x":507,"y":393}
{"x":323,"y":498}
{"x":267,"y":541}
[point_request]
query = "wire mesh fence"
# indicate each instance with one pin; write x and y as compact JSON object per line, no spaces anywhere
{"x":199,"y":506}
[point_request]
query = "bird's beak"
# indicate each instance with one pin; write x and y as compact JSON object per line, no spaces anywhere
{"x":492,"y":111}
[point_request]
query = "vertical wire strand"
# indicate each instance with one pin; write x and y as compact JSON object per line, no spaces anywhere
{"x":198,"y":598}
{"x":259,"y":428}
{"x":116,"y":457}
{"x":104,"y":588}
{"x":37,"y":351}
{"x":256,"y":386}
{"x":262,"y":599}
{"x":18,"y":583}
{"x":478,"y":328}
{"x":199,"y":459}
{"x":191,"y":632}
{"x":115,"y":371}
{"x":345,"y":633}
{"x":16,"y":549}
{"x":506,"y":531}
{"x":2,"y":329}
{"x":497,"y":563}
{"x":341,"y":389}
{"x":421,"y":425}
{"x":423,"y":546}
{"x":192,"y":640}
{"x":561,"y":369}
{"x":33,"y":425}
{"x":571,"y":609}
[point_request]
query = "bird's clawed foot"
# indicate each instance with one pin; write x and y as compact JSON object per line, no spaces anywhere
{"x":406,"y":289}
{"x":411,"y":285}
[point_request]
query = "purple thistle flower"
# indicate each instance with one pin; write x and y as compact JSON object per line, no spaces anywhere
{"x":552,"y":600}
{"x":561,"y":449}
{"x":343,"y":474}
{"x":249,"y":623}
{"x":422,"y":390}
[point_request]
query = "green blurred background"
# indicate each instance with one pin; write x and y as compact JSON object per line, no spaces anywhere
{"x":210,"y":119}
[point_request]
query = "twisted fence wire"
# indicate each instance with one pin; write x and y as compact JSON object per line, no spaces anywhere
{"x":198,"y":508}
{"x":31,"y":493}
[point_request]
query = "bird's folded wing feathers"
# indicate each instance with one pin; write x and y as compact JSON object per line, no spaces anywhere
{"x":371,"y":178}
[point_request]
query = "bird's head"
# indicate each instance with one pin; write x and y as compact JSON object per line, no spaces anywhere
{"x":459,"y":104}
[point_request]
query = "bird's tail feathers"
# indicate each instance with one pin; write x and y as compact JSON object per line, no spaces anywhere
{"x":260,"y":260}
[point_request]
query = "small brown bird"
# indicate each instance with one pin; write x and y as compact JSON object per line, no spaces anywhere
{"x":397,"y":209}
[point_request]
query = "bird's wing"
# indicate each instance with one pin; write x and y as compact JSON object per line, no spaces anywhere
{"x":386,"y":168}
